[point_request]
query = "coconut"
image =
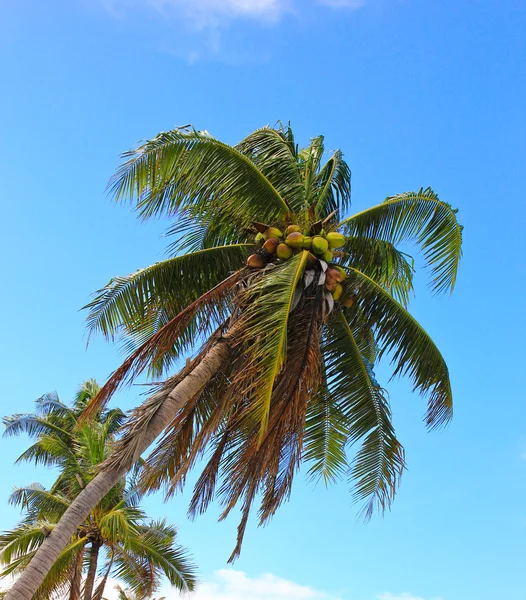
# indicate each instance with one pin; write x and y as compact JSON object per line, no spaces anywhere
{"x":319,"y":244}
{"x":307,"y":242}
{"x":260,"y":238}
{"x":255,"y":261}
{"x":327,"y":256}
{"x":295,"y":239}
{"x":338,"y":291}
{"x":292,"y":229}
{"x":272,"y":232}
{"x":283,"y":251}
{"x":270,"y":245}
{"x":348,"y":301}
{"x":331,"y":286}
{"x":335,"y":239}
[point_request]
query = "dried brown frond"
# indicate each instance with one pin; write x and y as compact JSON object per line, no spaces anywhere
{"x":162,"y":341}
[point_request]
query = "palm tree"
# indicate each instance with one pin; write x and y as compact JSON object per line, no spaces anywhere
{"x":133,"y":549}
{"x":286,"y":336}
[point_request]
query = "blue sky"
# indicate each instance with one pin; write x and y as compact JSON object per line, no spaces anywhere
{"x":415,"y":94}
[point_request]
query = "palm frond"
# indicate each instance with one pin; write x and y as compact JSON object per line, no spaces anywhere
{"x":420,"y":217}
{"x":413,"y":352}
{"x":186,"y":168}
{"x":379,"y":463}
{"x":325,"y":437}
{"x":333,"y":187}
{"x":210,"y":305}
{"x":383,"y":262}
{"x":273,"y":151}
{"x":269,"y":301}
{"x":175,"y":283}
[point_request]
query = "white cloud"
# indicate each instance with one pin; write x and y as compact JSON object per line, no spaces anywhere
{"x":230,"y":584}
{"x":203,"y":13}
{"x":206,"y":13}
{"x":403,"y":596}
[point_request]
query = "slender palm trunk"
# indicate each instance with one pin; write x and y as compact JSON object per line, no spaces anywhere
{"x":76,"y":580}
{"x":92,"y":494}
{"x":100,"y":588}
{"x":92,"y":570}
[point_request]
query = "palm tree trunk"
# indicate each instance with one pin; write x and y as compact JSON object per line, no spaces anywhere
{"x":76,"y":580}
{"x":92,"y":570}
{"x":31,"y":578}
{"x":100,"y":588}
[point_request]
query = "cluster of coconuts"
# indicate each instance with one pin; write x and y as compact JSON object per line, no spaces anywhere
{"x":274,"y":244}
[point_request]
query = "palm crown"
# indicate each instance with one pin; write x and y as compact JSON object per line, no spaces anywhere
{"x":305,"y":321}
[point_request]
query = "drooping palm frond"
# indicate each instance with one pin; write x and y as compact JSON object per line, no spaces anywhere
{"x":383,"y":262}
{"x":419,"y":217}
{"x":263,"y":329}
{"x":38,"y":502}
{"x":210,"y":307}
{"x":379,"y":463}
{"x":412,"y":350}
{"x":125,"y":302}
{"x":325,"y":438}
{"x":187,"y":168}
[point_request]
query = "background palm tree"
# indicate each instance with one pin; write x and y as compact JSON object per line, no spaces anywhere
{"x":287,"y":341}
{"x":116,"y":532}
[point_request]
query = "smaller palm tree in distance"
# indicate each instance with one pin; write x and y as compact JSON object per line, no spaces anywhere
{"x":116,"y":539}
{"x":286,"y":302}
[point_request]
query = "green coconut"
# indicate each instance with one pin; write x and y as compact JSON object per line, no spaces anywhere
{"x":255,"y":261}
{"x":292,"y":229}
{"x":327,"y":256}
{"x":338,"y":291}
{"x":272,"y":232}
{"x":307,"y":242}
{"x":270,"y":245}
{"x":319,"y":244}
{"x":283,"y":251}
{"x":295,"y":239}
{"x":335,"y":239}
{"x":260,"y":238}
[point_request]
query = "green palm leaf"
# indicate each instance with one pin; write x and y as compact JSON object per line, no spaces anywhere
{"x":421,"y":217}
{"x":269,"y":302}
{"x":383,"y":262}
{"x":379,"y":463}
{"x":128,"y":302}
{"x":185,"y":168}
{"x":413,"y":351}
{"x":273,"y":151}
{"x":333,"y":185}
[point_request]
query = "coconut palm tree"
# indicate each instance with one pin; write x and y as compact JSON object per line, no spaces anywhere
{"x":284,"y":336}
{"x":133,"y":549}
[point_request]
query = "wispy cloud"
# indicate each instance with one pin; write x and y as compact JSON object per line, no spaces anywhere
{"x":404,"y":596}
{"x":206,"y":13}
{"x":231,"y":584}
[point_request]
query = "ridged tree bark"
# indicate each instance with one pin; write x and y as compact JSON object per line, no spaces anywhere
{"x":92,"y":570}
{"x":76,"y":580}
{"x":32,"y":577}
